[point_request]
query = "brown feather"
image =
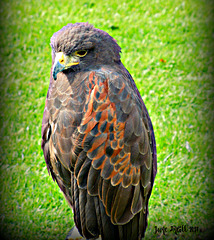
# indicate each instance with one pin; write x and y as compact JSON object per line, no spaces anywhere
{"x":97,"y":137}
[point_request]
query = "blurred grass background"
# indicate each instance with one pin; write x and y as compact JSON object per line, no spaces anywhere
{"x":168,"y":48}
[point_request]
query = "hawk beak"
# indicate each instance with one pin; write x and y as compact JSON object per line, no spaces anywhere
{"x":63,"y":62}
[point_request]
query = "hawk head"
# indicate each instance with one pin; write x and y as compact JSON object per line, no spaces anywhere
{"x":80,"y":46}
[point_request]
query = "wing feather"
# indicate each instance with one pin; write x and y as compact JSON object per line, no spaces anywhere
{"x":115,"y":139}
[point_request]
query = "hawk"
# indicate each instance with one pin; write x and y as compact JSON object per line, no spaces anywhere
{"x":97,"y":136}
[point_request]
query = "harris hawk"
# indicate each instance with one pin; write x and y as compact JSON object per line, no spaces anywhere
{"x":97,"y":136}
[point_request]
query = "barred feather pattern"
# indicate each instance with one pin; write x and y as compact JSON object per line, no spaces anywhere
{"x":99,"y":146}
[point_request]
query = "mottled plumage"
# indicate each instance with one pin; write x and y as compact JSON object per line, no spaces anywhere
{"x":97,"y":136}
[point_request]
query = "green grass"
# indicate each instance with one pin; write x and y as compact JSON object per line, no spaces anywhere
{"x":178,"y":94}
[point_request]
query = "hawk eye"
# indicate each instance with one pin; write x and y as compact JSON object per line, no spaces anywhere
{"x":81,"y":53}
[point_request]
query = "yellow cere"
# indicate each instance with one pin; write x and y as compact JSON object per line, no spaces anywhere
{"x":61,"y":58}
{"x":71,"y":64}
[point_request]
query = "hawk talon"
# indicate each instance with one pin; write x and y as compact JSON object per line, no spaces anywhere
{"x":75,"y":235}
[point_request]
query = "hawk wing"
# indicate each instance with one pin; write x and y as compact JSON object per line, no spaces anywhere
{"x":105,"y":150}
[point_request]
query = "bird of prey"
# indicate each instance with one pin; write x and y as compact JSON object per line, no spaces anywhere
{"x":97,"y":136}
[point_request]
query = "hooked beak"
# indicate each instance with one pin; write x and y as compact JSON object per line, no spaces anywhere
{"x":63,"y":62}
